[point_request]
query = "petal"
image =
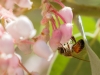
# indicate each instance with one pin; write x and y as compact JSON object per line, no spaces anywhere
{"x":66,"y":30}
{"x":42,"y":49}
{"x":55,"y":39}
{"x":6,"y":44}
{"x":67,"y":14}
{"x":21,"y":29}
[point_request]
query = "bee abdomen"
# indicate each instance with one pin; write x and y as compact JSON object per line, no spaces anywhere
{"x":78,"y":46}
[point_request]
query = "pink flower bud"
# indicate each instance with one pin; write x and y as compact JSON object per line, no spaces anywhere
{"x":55,"y":39}
{"x":24,"y":3}
{"x":67,"y":14}
{"x":66,"y":30}
{"x":18,"y":71}
{"x":42,"y":49}
{"x":1,"y":30}
{"x":14,"y":61}
{"x":3,"y":62}
{"x":9,"y":4}
{"x":6,"y":44}
{"x":15,"y":71}
{"x":21,"y":28}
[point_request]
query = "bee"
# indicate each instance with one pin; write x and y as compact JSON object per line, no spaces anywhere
{"x":77,"y":47}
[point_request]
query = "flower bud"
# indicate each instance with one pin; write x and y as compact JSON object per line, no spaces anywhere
{"x":55,"y":39}
{"x":42,"y":49}
{"x":66,"y":30}
{"x":6,"y":44}
{"x":21,"y":29}
{"x":67,"y":14}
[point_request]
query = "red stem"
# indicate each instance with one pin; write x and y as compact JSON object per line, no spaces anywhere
{"x":53,"y":24}
{"x":59,"y":15}
{"x":57,"y":20}
{"x":20,"y":64}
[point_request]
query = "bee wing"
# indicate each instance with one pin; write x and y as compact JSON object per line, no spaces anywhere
{"x":81,"y":55}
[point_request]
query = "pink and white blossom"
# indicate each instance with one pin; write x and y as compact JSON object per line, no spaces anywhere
{"x":66,"y":30}
{"x":67,"y":14}
{"x":55,"y":39}
{"x":6,"y":44}
{"x":21,"y":29}
{"x":42,"y":49}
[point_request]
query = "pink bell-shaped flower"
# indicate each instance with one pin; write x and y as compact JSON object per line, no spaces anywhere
{"x":6,"y":44}
{"x":15,"y":71}
{"x":42,"y":49}
{"x":55,"y":39}
{"x":1,"y":30}
{"x":14,"y":61}
{"x":9,"y":4}
{"x":67,"y":14}
{"x":66,"y":30}
{"x":21,"y":29}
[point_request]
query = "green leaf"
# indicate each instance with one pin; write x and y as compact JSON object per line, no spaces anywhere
{"x":94,"y":60}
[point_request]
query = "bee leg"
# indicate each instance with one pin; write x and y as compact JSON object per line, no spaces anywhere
{"x":73,"y":39}
{"x":68,"y":45}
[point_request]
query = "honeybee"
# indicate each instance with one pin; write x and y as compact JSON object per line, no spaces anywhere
{"x":77,"y":47}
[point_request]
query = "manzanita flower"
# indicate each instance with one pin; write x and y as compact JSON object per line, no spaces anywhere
{"x":21,"y":29}
{"x":66,"y":30}
{"x":5,"y":14}
{"x":4,"y":62}
{"x":6,"y":44}
{"x":42,"y":49}
{"x":66,"y":13}
{"x":14,"y":61}
{"x":8,"y":60}
{"x":55,"y":39}
{"x":15,"y":71}
{"x":9,"y":4}
{"x":1,"y":30}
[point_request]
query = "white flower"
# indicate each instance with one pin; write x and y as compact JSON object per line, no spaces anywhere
{"x":6,"y":44}
{"x":21,"y":29}
{"x":42,"y":49}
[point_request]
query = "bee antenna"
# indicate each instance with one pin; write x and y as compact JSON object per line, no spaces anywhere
{"x":81,"y":59}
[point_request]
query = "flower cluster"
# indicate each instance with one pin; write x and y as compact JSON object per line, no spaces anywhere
{"x":61,"y":32}
{"x":19,"y":32}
